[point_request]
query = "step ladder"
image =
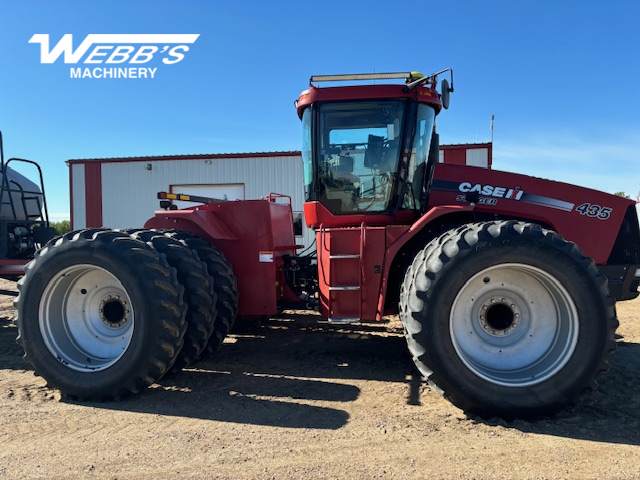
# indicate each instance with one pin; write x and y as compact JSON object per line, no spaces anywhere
{"x":337,"y":290}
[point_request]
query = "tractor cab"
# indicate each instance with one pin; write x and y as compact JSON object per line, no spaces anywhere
{"x":368,"y":149}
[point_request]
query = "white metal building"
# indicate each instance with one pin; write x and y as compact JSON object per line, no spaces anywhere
{"x":121,"y":192}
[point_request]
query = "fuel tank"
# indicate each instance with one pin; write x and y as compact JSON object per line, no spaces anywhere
{"x":253,"y":235}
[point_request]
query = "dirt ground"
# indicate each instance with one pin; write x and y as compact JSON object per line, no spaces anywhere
{"x":302,"y":399}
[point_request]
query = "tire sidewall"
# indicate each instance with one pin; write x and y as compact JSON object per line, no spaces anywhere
{"x":45,"y":268}
{"x":455,"y":378}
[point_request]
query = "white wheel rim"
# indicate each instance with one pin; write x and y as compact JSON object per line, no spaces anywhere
{"x":86,"y":318}
{"x":514,"y":325}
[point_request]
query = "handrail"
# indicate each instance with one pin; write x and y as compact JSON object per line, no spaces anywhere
{"x":363,"y":233}
{"x":1,"y":153}
{"x":321,"y":266}
{"x":5,"y":167}
{"x":272,"y":197}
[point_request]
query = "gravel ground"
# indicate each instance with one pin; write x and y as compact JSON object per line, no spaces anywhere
{"x":302,"y":399}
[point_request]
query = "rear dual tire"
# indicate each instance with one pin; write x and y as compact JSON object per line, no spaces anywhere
{"x":103,"y":314}
{"x":199,"y":294}
{"x":100,"y":314}
{"x":224,"y":286}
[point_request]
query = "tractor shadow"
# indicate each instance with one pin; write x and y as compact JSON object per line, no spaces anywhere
{"x":288,"y":374}
{"x":297,"y":372}
{"x":10,"y":352}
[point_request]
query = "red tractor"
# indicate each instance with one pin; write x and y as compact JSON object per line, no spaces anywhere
{"x":505,"y":284}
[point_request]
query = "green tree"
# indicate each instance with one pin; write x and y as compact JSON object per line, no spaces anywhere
{"x":623,"y":195}
{"x":61,"y":227}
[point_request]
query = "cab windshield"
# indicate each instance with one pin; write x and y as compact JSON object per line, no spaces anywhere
{"x":357,"y":154}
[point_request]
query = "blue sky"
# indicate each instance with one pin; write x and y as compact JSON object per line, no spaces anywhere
{"x":561,"y":78}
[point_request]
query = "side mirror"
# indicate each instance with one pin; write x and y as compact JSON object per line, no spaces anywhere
{"x":444,"y":95}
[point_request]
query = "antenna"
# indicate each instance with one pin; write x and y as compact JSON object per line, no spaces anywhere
{"x":492,"y":119}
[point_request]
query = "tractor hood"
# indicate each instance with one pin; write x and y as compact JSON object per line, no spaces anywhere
{"x":577,"y":213}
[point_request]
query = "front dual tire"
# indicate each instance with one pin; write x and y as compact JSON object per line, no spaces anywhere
{"x":507,"y":319}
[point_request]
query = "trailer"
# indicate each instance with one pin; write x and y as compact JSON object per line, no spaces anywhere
{"x":24,"y":218}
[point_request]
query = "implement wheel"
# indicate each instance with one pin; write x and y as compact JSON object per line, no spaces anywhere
{"x":508,"y":319}
{"x":100,"y":315}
